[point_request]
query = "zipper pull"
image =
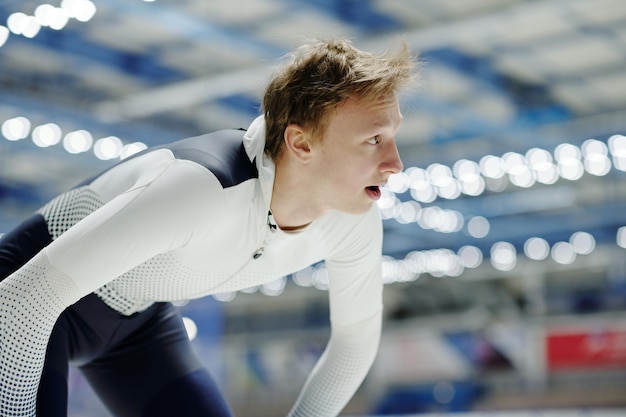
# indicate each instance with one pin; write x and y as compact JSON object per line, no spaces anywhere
{"x":271,"y":223}
{"x":258,"y":253}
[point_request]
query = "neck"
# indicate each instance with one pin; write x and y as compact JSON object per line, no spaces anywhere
{"x":292,"y":205}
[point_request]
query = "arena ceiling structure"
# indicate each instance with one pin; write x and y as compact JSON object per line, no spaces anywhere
{"x":513,"y":144}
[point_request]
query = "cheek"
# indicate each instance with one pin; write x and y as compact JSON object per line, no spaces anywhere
{"x":347,"y":169}
{"x":335,"y":163}
{"x":353,"y":177}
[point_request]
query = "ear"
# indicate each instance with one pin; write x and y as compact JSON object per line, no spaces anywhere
{"x":297,"y":142}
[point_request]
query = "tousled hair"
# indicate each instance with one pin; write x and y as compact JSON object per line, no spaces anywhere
{"x":319,"y":76}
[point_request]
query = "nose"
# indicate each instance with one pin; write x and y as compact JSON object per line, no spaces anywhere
{"x":392,"y":163}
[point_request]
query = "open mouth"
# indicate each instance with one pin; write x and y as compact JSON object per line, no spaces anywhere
{"x":373,"y":191}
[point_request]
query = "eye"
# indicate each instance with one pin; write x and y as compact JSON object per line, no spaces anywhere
{"x":374,"y":141}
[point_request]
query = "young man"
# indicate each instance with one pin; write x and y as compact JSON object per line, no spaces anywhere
{"x":88,"y":278}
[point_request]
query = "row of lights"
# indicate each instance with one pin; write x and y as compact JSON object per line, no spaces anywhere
{"x":74,"y":142}
{"x":493,"y":173}
{"x":46,"y":15}
{"x":523,"y":170}
{"x":425,"y":185}
{"x":445,"y":262}
{"x":503,"y":257}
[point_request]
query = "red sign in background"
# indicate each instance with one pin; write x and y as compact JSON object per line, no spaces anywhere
{"x":576,"y":350}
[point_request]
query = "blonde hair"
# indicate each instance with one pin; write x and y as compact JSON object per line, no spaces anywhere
{"x":319,"y":76}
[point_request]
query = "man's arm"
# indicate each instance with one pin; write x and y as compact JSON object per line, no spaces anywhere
{"x":346,"y":361}
{"x":355,"y":293}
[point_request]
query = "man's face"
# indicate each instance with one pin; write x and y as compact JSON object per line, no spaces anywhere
{"x":357,"y":153}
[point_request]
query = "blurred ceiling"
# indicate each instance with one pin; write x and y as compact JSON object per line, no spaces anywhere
{"x":499,"y":77}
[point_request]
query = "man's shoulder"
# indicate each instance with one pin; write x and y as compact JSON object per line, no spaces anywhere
{"x":221,"y":152}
